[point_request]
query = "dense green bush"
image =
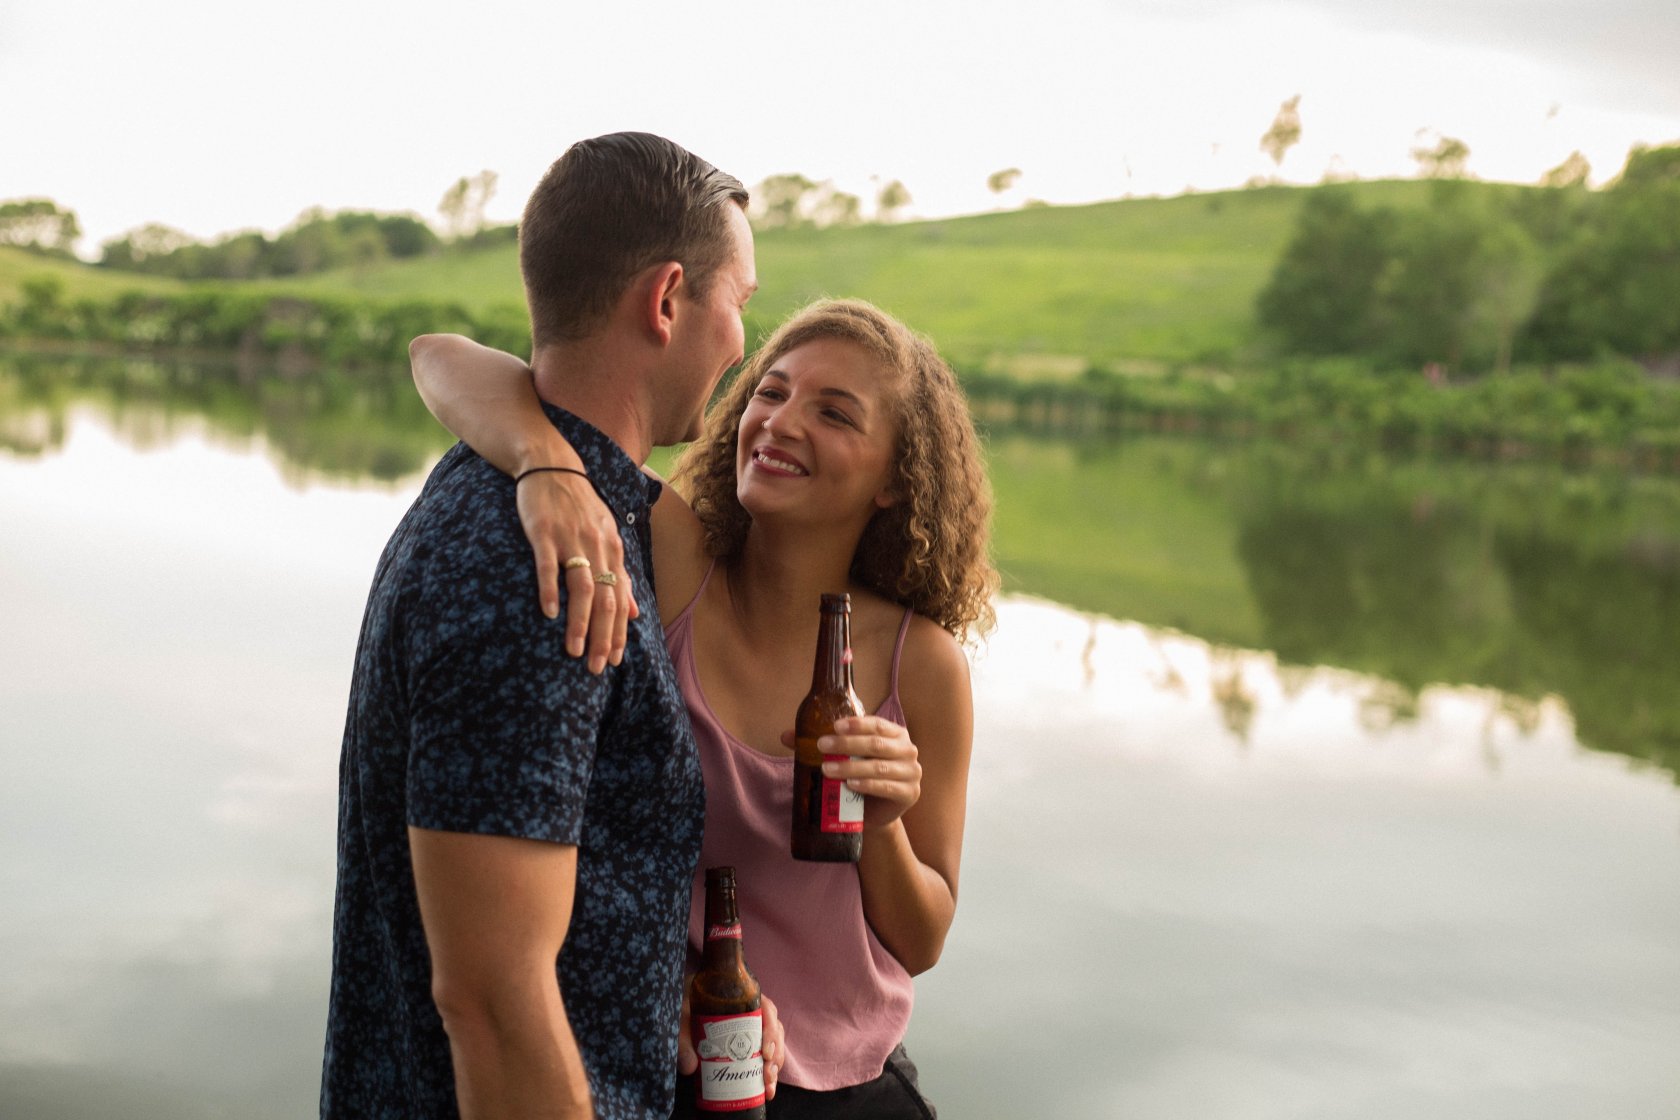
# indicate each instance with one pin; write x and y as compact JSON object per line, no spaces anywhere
{"x":1611,"y":408}
{"x":1483,"y":277}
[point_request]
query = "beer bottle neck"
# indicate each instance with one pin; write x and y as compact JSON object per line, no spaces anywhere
{"x":833,"y":668}
{"x":723,"y":927}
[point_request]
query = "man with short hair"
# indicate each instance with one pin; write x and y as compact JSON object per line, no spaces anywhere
{"x":517,"y":833}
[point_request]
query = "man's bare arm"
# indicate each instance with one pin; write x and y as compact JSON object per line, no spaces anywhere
{"x":495,"y":911}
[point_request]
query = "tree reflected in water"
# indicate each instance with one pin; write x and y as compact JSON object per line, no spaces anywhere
{"x":313,"y":422}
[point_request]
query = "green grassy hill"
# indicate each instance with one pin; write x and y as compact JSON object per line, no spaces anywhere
{"x":80,"y":281}
{"x":1139,"y":282}
{"x":1049,"y":288}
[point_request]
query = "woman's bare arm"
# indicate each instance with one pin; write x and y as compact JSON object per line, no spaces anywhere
{"x":486,"y":398}
{"x":918,"y":791}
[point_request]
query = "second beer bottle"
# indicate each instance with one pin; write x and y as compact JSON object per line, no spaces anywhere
{"x":725,"y":1012}
{"x":827,"y":815}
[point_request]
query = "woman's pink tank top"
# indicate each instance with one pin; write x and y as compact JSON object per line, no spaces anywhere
{"x":843,"y":999}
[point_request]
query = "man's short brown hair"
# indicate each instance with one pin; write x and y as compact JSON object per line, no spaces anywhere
{"x":609,"y":208}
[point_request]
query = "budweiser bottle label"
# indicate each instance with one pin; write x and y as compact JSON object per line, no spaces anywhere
{"x":731,"y":1049}
{"x":842,"y":806}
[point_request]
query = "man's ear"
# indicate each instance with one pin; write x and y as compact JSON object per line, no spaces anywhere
{"x":659,"y":305}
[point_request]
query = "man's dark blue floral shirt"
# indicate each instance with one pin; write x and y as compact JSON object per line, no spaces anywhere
{"x":466,"y":715}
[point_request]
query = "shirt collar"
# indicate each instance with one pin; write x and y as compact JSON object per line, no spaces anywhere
{"x":617,"y":478}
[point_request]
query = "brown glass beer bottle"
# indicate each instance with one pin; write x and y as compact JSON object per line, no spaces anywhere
{"x":725,"y":1020}
{"x":827,"y":816}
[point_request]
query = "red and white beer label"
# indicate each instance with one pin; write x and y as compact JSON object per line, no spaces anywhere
{"x":842,"y":806}
{"x":731,"y":1049}
{"x":724,"y":933}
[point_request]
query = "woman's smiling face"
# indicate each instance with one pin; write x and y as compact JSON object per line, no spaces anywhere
{"x":818,"y":435}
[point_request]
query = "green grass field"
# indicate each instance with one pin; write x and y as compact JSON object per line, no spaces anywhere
{"x":1139,"y":283}
{"x":80,"y":281}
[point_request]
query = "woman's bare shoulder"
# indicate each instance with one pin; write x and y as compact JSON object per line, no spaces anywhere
{"x":679,"y":552}
{"x":934,"y":686}
{"x":933,"y":660}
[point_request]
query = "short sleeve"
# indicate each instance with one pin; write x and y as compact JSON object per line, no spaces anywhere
{"x":504,"y":725}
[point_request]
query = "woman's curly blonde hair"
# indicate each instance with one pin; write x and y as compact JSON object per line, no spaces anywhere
{"x":930,"y":549}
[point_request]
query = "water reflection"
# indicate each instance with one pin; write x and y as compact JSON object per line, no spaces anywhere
{"x":1202,"y":878}
{"x":1341,"y":899}
{"x":1529,"y":579}
{"x":1525,"y":579}
{"x":1536,"y":585}
{"x":365,"y":423}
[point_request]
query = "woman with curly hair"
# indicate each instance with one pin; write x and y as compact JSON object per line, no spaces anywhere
{"x":842,"y":458}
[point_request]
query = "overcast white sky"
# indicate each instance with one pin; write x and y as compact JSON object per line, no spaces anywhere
{"x":213,"y":115}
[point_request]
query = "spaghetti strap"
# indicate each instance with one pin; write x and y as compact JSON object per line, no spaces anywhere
{"x":898,"y":648}
{"x":701,"y":590}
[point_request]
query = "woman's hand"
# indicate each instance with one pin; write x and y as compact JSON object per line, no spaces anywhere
{"x":884,"y":766}
{"x":564,"y":518}
{"x":773,"y":1045}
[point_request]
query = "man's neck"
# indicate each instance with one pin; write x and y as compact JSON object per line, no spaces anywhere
{"x":593,"y":386}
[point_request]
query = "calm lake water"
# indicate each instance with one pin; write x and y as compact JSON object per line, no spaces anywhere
{"x":1305,"y":785}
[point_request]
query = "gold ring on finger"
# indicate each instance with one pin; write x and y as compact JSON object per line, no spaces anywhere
{"x":608,"y":578}
{"x":576,"y":562}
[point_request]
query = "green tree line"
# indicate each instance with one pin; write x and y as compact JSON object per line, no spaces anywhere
{"x":316,"y":242}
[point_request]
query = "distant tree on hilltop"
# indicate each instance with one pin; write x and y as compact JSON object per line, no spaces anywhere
{"x":1448,"y":159}
{"x":1285,"y":132}
{"x":463,"y":204}
{"x":776,"y":201}
{"x":1651,"y":167}
{"x":1572,"y":172}
{"x":1617,"y":284}
{"x":790,"y":200}
{"x":836,"y":207}
{"x":1000,"y":181}
{"x":39,"y":224}
{"x":892,"y":198}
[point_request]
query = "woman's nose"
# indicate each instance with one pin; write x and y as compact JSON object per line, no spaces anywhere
{"x":780,"y":422}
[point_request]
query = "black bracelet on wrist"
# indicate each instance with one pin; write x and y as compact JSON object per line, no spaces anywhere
{"x":523,"y":475}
